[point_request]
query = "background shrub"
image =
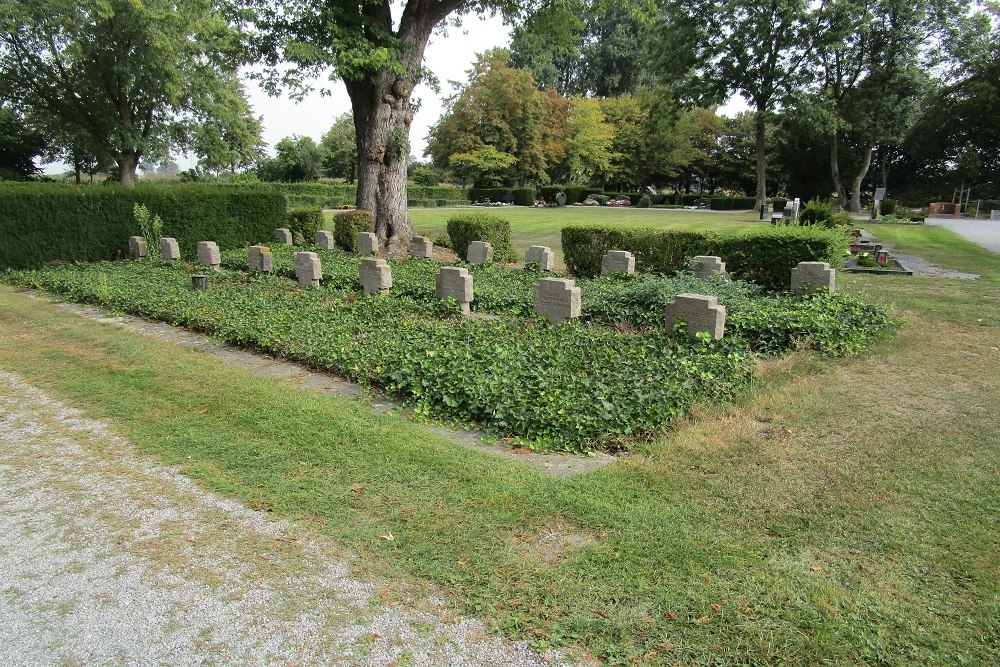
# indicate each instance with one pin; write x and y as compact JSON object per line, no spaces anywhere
{"x":817,"y":212}
{"x":518,"y":196}
{"x":328,"y":194}
{"x":348,"y":224}
{"x":467,"y":227}
{"x":645,"y":201}
{"x":42,"y":223}
{"x":888,"y":206}
{"x":732,"y":203}
{"x":304,"y":223}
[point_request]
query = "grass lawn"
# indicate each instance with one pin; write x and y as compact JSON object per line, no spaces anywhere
{"x":844,"y":513}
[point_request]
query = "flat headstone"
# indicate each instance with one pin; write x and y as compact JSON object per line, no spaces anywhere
{"x":810,"y":277}
{"x":375,"y":276}
{"x":366,"y":243}
{"x":480,"y":252}
{"x":137,"y":247}
{"x":557,"y":299}
{"x":617,"y":261}
{"x":208,"y":254}
{"x":454,"y":282}
{"x":324,"y":240}
{"x":701,"y":312}
{"x":421,"y":247}
{"x":707,"y":265}
{"x":542,"y":256}
{"x":169,"y":249}
{"x":284,"y":235}
{"x":259,"y":258}
{"x":307,"y":269}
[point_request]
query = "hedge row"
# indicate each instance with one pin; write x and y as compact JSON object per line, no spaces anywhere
{"x":518,"y":196}
{"x":764,"y":257}
{"x":339,"y":195}
{"x":465,"y":228}
{"x":41,"y":223}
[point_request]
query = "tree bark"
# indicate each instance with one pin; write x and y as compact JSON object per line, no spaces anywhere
{"x":838,"y":183}
{"x":128,"y":162}
{"x":855,"y":204}
{"x":761,"y":150}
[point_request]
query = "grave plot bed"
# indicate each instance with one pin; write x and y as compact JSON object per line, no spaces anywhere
{"x":602,"y":383}
{"x":890,"y":268}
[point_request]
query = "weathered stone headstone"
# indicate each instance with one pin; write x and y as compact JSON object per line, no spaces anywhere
{"x":366,"y":243}
{"x":137,"y":247}
{"x":480,"y":252}
{"x":208,"y":254}
{"x":259,"y":258}
{"x":995,"y":214}
{"x":705,"y":266}
{"x":375,"y":276}
{"x":169,"y":249}
{"x":284,"y":235}
{"x":557,"y":299}
{"x":454,"y":282}
{"x":700,"y":312}
{"x":560,"y":199}
{"x":810,"y":277}
{"x":324,"y":240}
{"x":307,"y":269}
{"x":617,"y":261}
{"x":421,"y":247}
{"x":542,"y":256}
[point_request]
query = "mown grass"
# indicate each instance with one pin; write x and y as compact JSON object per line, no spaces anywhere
{"x":845,"y":513}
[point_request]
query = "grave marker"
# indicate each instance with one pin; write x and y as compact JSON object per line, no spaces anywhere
{"x":307,"y":269}
{"x":480,"y":252}
{"x":810,"y":277}
{"x":542,"y":256}
{"x":259,"y":258}
{"x":137,"y":247}
{"x":557,"y":299}
{"x":375,"y":276}
{"x":169,"y":249}
{"x":705,"y":266}
{"x":421,"y":247}
{"x":617,"y":261}
{"x":324,"y":240}
{"x":995,"y":214}
{"x":454,"y":282}
{"x":700,"y":312}
{"x":366,"y":243}
{"x":284,"y":236}
{"x":208,"y":254}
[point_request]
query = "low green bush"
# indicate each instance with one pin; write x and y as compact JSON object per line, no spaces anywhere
{"x":518,"y":196}
{"x":732,"y":203}
{"x":464,"y":228}
{"x":888,"y":206}
{"x":348,"y":224}
{"x":645,"y":201}
{"x":817,"y":212}
{"x":304,"y":223}
{"x":42,"y":223}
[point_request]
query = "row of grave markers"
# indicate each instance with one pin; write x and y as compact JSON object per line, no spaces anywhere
{"x":556,"y":299}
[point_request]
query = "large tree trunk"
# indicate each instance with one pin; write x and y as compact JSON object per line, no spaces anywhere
{"x":761,"y":151}
{"x":838,"y":183}
{"x":128,"y":162}
{"x":855,"y":204}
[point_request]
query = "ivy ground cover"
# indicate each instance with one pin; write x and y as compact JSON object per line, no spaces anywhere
{"x":602,"y":383}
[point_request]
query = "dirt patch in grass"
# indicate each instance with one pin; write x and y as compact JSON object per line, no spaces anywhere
{"x":551,"y":542}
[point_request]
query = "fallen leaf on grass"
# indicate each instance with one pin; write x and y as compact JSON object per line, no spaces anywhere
{"x":358,"y":489}
{"x":388,"y":537}
{"x":816,"y":568}
{"x":702,"y":621}
{"x":601,"y":613}
{"x":672,"y":615}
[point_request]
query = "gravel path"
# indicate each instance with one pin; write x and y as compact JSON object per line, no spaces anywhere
{"x":982,"y":232}
{"x":108,"y":558}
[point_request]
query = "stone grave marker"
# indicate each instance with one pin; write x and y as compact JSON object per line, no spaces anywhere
{"x":557,"y":299}
{"x":259,"y":258}
{"x":560,"y":199}
{"x":324,"y":240}
{"x":307,"y":269}
{"x":137,"y":247}
{"x":542,"y":256}
{"x":284,"y":235}
{"x":366,"y":243}
{"x":705,"y":266}
{"x":617,"y":261}
{"x":375,"y":276}
{"x":810,"y":277}
{"x":995,"y":214}
{"x":454,"y":282}
{"x":208,"y":254}
{"x":421,"y":247}
{"x":701,"y":312}
{"x":480,"y":252}
{"x":169,"y":249}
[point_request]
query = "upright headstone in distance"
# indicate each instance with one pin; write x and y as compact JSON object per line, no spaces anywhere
{"x":375,"y":276}
{"x":137,"y":247}
{"x":995,"y":214}
{"x":557,"y":299}
{"x":307,"y":269}
{"x":454,"y":282}
{"x":169,"y":249}
{"x":421,"y":247}
{"x":700,"y":312}
{"x":208,"y":254}
{"x":542,"y":256}
{"x":259,"y":259}
{"x":560,"y":199}
{"x":480,"y":252}
{"x":366,"y":243}
{"x":705,"y":266}
{"x":324,"y":239}
{"x":284,"y":235}
{"x":809,"y":277}
{"x":617,"y":261}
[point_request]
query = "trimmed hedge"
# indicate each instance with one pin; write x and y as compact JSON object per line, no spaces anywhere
{"x":465,"y":228}
{"x":325,"y":194}
{"x":347,"y":226}
{"x":42,"y":223}
{"x":575,"y":194}
{"x":518,"y":196}
{"x":765,"y":257}
{"x":304,"y":223}
{"x":732,"y":203}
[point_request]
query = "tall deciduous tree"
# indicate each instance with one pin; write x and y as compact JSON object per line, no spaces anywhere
{"x":19,"y":146}
{"x":714,"y":48}
{"x":340,"y":149}
{"x":122,"y":73}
